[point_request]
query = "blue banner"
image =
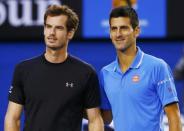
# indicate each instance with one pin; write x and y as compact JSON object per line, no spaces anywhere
{"x":152,"y":16}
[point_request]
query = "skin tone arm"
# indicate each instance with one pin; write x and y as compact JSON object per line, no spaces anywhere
{"x":95,"y":120}
{"x":173,"y":114}
{"x":107,"y":116}
{"x":12,"y":118}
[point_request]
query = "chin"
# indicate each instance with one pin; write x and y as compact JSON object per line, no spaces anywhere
{"x":122,"y":49}
{"x":54,"y":47}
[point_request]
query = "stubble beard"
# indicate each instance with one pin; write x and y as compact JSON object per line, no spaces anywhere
{"x":56,"y":48}
{"x":125,"y":48}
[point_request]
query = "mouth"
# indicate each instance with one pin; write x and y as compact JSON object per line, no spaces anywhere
{"x":119,"y":40}
{"x":51,"y":39}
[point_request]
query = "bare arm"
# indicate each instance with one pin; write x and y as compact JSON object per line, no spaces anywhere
{"x":107,"y":116}
{"x":95,"y":120}
{"x":12,"y":118}
{"x":173,"y":114}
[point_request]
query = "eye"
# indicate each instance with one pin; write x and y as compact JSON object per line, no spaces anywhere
{"x":124,"y":28}
{"x":60,"y":27}
{"x":113,"y":28}
{"x":48,"y":26}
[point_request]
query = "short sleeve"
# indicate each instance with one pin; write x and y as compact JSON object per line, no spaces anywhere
{"x":165,"y":84}
{"x":16,"y":93}
{"x":92,"y":94}
{"x":105,"y":105}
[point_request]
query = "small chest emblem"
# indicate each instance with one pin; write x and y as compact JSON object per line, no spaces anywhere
{"x":70,"y":84}
{"x":135,"y":78}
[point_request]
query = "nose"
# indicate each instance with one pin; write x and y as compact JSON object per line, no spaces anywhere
{"x":118,"y":33}
{"x":52,"y":31}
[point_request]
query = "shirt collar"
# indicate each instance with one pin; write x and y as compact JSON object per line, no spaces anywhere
{"x":136,"y":62}
{"x":138,"y":59}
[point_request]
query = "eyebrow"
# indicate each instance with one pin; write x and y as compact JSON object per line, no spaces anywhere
{"x":57,"y":26}
{"x":122,"y":26}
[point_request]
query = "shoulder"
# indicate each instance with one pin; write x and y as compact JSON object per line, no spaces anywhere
{"x":23,"y":68}
{"x":110,"y":67}
{"x":29,"y":62}
{"x":153,"y":61}
{"x":79,"y":64}
{"x":157,"y":66}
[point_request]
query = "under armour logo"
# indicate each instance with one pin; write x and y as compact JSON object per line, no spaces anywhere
{"x":68,"y":84}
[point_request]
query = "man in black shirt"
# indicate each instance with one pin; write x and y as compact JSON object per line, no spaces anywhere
{"x":179,"y":76}
{"x":179,"y":69}
{"x":55,"y":88}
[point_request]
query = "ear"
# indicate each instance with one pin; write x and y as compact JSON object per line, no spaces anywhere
{"x":44,"y":32}
{"x":137,"y":31}
{"x":110,"y":36}
{"x":71,"y":34}
{"x":110,"y":33}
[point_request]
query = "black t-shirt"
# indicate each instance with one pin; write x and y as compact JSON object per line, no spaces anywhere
{"x":179,"y":69}
{"x":54,"y":96}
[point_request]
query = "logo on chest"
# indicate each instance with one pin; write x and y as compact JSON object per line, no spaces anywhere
{"x":69,"y":84}
{"x":135,"y":78}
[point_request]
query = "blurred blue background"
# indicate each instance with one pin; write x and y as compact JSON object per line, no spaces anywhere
{"x":152,"y":24}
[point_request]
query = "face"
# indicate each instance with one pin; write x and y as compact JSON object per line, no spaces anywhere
{"x":122,"y":34}
{"x":55,"y":32}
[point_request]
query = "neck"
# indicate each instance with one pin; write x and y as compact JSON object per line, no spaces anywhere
{"x":55,"y":56}
{"x":126,"y":58}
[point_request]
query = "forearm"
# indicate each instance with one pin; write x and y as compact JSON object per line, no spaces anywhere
{"x":96,"y":125}
{"x":173,"y":115}
{"x":175,"y":125}
{"x":12,"y":125}
{"x":12,"y":117}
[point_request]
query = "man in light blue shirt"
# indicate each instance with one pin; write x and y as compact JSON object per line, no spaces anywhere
{"x":136,"y":87}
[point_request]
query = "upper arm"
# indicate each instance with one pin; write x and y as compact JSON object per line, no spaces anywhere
{"x":105,"y":104}
{"x":172,"y":111}
{"x":165,"y":86}
{"x":14,"y":111}
{"x":93,"y":113}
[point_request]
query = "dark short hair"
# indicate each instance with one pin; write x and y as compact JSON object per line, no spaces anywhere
{"x":56,"y":10}
{"x":125,"y":11}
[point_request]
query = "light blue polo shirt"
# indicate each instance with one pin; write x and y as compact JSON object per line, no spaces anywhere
{"x":137,"y":97}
